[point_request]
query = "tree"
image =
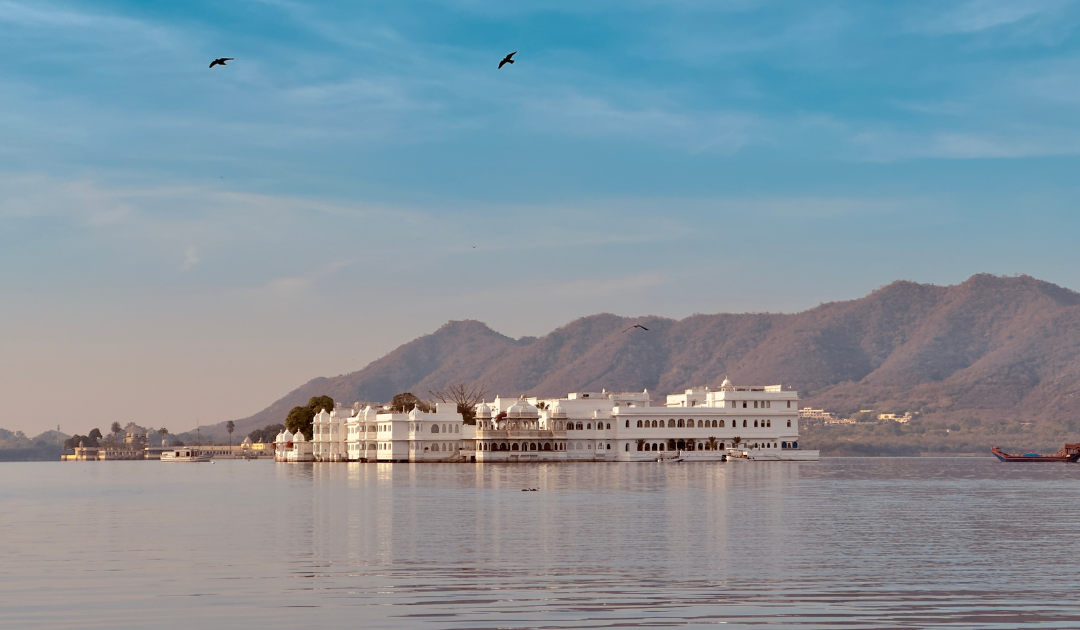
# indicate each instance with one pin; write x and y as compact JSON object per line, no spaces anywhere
{"x":115,"y":429}
{"x":404,"y":403}
{"x":711,"y":444}
{"x":230,"y":426}
{"x":640,"y":444}
{"x":267,"y":434}
{"x":95,"y":434}
{"x":736,"y":441}
{"x":466,"y":397}
{"x":299,"y":418}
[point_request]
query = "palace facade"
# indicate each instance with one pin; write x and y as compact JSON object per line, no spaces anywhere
{"x":756,"y":422}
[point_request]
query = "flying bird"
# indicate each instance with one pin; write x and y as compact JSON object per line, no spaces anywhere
{"x":507,"y":59}
{"x":636,"y":326}
{"x":220,"y":62}
{"x":474,"y":246}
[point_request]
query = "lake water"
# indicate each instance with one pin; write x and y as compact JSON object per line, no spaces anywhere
{"x":842,"y":543}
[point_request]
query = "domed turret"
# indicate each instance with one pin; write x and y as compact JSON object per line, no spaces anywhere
{"x":726,"y":384}
{"x":299,"y":437}
{"x":483,"y":411}
{"x":286,"y":436}
{"x":522,"y":409}
{"x":415,"y":413}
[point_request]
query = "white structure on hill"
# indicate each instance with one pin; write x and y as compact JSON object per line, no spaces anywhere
{"x":758,"y":422}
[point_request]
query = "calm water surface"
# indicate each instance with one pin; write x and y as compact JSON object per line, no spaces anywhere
{"x":842,"y":543}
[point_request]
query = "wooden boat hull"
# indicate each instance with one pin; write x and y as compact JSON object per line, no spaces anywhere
{"x":1069,"y":454}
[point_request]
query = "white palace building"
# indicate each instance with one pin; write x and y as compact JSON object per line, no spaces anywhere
{"x":700,"y":424}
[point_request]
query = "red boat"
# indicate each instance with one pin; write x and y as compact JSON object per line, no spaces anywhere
{"x":1070,"y":453}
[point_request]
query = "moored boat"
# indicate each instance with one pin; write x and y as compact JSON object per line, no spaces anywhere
{"x":1070,"y":453}
{"x":184,"y":455}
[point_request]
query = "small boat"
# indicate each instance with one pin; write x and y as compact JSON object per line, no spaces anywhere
{"x":1070,"y":453}
{"x":184,"y":455}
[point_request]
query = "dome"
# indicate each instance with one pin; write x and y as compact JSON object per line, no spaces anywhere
{"x":286,"y":436}
{"x":299,"y":437}
{"x":522,"y":409}
{"x":415,"y":413}
{"x":726,"y":383}
{"x":483,"y":411}
{"x":247,"y":440}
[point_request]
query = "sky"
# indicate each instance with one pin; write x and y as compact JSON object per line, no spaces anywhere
{"x":182,"y":245}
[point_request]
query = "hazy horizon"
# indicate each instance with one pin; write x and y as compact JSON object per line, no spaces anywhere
{"x":184,"y":245}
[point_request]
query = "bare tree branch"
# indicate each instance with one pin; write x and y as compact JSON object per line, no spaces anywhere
{"x":464,"y":395}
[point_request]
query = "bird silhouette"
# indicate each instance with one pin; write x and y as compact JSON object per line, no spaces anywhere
{"x":636,"y":326}
{"x":507,"y":59}
{"x":220,"y":62}
{"x":474,"y":246}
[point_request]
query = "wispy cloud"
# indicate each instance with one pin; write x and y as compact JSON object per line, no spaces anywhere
{"x":191,"y":258}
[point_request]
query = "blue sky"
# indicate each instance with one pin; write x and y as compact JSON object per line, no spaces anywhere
{"x":196,"y":242}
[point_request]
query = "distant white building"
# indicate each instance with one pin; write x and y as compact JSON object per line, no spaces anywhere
{"x":760,"y":422}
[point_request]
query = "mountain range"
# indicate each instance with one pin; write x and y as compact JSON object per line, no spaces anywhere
{"x":991,"y":347}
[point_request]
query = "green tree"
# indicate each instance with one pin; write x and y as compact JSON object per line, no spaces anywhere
{"x":640,"y":444}
{"x":267,"y":434}
{"x":95,"y":434}
{"x":230,"y":426}
{"x":736,"y":441}
{"x":404,"y":403}
{"x":115,"y":429}
{"x":711,"y":444}
{"x":299,"y":418}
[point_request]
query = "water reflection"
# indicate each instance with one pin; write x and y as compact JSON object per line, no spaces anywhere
{"x":840,"y":543}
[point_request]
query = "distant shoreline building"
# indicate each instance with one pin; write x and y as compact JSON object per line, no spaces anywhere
{"x":700,"y":424}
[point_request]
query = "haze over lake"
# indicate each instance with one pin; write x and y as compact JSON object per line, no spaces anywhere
{"x":868,"y":543}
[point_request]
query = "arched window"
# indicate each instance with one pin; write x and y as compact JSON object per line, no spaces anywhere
{"x":721,"y":423}
{"x":744,"y":404}
{"x":434,"y":428}
{"x":794,"y":445}
{"x":744,"y":424}
{"x":514,"y":446}
{"x":671,"y":423}
{"x":580,"y":447}
{"x":661,"y":446}
{"x":628,"y":424}
{"x":532,"y":446}
{"x":699,"y":424}
{"x":654,"y":424}
{"x":608,"y":425}
{"x":627,"y":447}
{"x":639,"y":424}
{"x":755,"y":424}
{"x":769,"y":423}
{"x":435,"y":447}
{"x":680,"y":424}
{"x":579,"y":426}
{"x":589,"y":426}
{"x":789,"y":423}
{"x":547,"y":446}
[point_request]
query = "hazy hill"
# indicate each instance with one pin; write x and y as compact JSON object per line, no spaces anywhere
{"x":992,"y":347}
